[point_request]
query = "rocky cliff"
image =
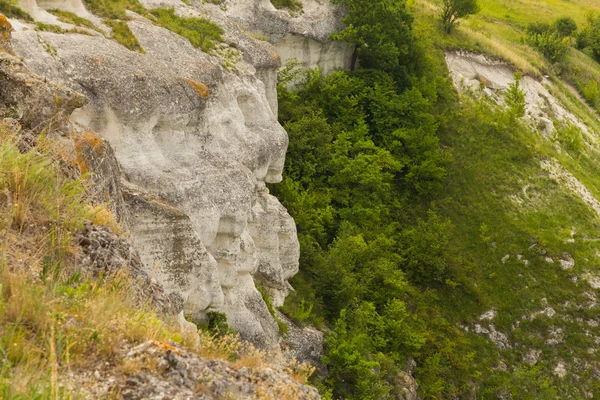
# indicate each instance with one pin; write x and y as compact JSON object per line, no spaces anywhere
{"x":196,"y":137}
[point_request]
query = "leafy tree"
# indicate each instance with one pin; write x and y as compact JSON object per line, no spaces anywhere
{"x":353,"y":370}
{"x":589,"y":37}
{"x":380,"y":31}
{"x":426,"y":249}
{"x":452,"y":10}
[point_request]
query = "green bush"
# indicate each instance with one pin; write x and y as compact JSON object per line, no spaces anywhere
{"x":552,"y":45}
{"x":427,"y":249}
{"x":216,"y":324}
{"x":298,"y":310}
{"x":591,"y":92}
{"x":588,"y":39}
{"x":565,"y":26}
{"x":569,"y":136}
{"x":537,"y":28}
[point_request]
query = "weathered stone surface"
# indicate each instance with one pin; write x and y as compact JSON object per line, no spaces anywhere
{"x":197,"y":157}
{"x":39,"y":104}
{"x":304,"y":344}
{"x":107,"y":254}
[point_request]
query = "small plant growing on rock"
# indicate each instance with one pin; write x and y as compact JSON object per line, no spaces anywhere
{"x":216,"y":324}
{"x":199,"y":31}
{"x":123,"y":35}
{"x":283,"y":329}
{"x":515,"y":98}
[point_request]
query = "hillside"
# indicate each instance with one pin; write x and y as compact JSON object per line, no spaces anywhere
{"x":498,"y":247}
{"x":217,"y":199}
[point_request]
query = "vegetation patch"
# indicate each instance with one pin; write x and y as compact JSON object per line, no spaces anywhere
{"x":283,"y":328}
{"x":418,"y":210}
{"x":295,"y":6}
{"x":221,"y":3}
{"x":123,"y":35}
{"x":40,"y":26}
{"x":114,"y":9}
{"x":199,"y":31}
{"x":9,"y":9}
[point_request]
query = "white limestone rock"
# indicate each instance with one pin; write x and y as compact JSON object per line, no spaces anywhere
{"x":194,"y":162}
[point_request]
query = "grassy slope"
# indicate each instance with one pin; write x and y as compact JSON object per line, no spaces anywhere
{"x":502,"y":203}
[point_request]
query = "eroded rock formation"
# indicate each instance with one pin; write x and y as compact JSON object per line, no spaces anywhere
{"x":196,"y":137}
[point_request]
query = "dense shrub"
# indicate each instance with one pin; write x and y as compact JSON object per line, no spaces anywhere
{"x":565,"y":26}
{"x":588,"y":39}
{"x":551,"y":44}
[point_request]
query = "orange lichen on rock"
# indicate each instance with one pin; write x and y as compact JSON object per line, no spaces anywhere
{"x":87,"y":145}
{"x":276,"y":57}
{"x":5,"y":30}
{"x":97,"y":60}
{"x":200,"y":88}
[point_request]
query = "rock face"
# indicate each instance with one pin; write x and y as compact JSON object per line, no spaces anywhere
{"x":303,"y":36}
{"x":196,"y":143}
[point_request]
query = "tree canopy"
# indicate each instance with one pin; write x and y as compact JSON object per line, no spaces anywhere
{"x":452,"y":10}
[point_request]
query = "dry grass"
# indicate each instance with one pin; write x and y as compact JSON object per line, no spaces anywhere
{"x":67,"y":324}
{"x":101,"y":215}
{"x":496,"y":46}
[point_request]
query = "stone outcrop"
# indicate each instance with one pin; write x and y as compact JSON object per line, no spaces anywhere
{"x":302,"y":35}
{"x":106,"y":254}
{"x":37,"y":104}
{"x":160,"y":370}
{"x":196,"y":138}
{"x":493,"y":77}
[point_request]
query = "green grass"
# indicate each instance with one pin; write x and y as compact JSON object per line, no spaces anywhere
{"x":292,"y":5}
{"x":123,"y":35}
{"x":9,"y":9}
{"x":70,"y":18}
{"x":114,"y":9}
{"x":495,"y":180}
{"x":199,"y":31}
